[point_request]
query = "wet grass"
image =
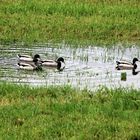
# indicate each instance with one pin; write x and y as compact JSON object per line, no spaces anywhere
{"x":66,"y":113}
{"x":85,"y":22}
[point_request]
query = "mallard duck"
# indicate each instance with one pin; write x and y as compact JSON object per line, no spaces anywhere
{"x":28,"y":58}
{"x":36,"y":64}
{"x":26,"y":66}
{"x":59,"y":63}
{"x":125,"y":65}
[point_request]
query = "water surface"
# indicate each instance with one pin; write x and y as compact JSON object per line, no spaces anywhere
{"x":89,"y":67}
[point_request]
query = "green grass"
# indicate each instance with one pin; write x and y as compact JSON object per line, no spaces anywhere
{"x":67,"y":113}
{"x":86,"y":22}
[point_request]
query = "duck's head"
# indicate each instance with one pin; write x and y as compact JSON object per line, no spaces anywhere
{"x":60,"y":59}
{"x":135,"y":60}
{"x":36,"y":58}
{"x":60,"y":63}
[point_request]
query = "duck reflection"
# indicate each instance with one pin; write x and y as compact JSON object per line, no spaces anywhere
{"x":135,"y":72}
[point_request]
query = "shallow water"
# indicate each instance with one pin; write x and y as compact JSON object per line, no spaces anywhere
{"x":89,"y":67}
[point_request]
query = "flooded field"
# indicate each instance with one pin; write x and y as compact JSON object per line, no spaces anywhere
{"x":89,"y":67}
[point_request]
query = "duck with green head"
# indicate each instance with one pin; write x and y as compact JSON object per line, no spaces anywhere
{"x":59,"y":63}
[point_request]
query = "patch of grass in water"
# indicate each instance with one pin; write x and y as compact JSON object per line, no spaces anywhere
{"x":123,"y":76}
{"x":64,"y":113}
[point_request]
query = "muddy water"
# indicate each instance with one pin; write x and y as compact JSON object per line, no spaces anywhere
{"x":89,"y":67}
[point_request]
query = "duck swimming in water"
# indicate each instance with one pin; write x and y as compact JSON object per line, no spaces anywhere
{"x":59,"y":63}
{"x":28,"y":58}
{"x":125,"y":65}
{"x":34,"y":64}
{"x":26,"y":66}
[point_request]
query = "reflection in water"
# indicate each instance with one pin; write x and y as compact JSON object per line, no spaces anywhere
{"x":135,"y":72}
{"x":89,"y":67}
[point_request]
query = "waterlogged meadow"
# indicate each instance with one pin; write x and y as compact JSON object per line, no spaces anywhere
{"x":93,"y":21}
{"x":63,"y":105}
{"x":43,"y":113}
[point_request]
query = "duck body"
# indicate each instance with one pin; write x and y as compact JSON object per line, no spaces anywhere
{"x":27,"y":58}
{"x":126,"y":65}
{"x":59,"y":63}
{"x":26,"y":66}
{"x":123,"y":62}
{"x":24,"y":58}
{"x":49,"y":63}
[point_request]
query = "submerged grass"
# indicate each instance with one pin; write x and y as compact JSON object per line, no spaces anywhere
{"x":92,"y":21}
{"x":66,"y":113}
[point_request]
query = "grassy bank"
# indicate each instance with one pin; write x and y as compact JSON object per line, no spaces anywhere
{"x":93,"y":21}
{"x":65,"y":113}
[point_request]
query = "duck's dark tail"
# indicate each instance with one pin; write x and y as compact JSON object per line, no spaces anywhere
{"x":117,"y":62}
{"x":118,"y":68}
